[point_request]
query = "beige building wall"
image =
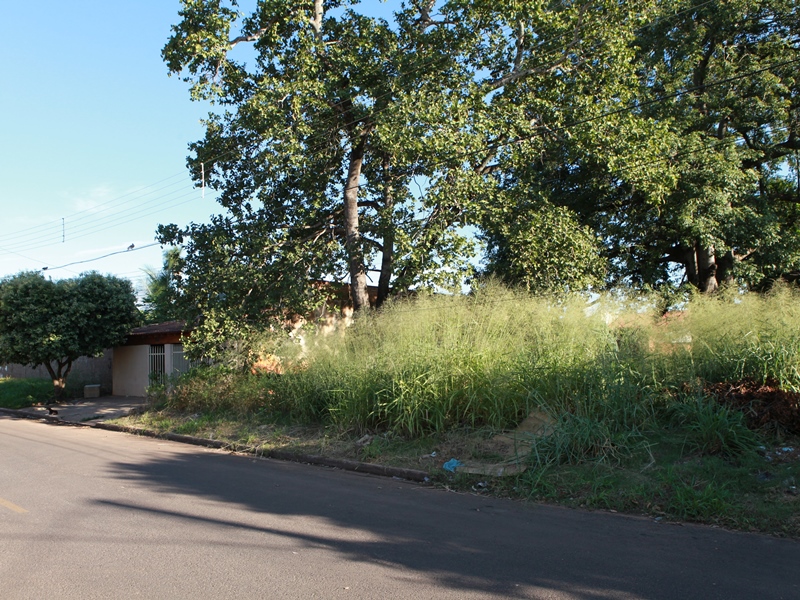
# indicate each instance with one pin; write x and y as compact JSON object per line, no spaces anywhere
{"x":131,"y":367}
{"x":131,"y":370}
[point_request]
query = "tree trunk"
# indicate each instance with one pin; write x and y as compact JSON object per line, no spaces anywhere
{"x":355,"y":253}
{"x":707,"y":269}
{"x":387,"y":257}
{"x":690,"y":262}
{"x":59,"y":377}
{"x":725,"y":265}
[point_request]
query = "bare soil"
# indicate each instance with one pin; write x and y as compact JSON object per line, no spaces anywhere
{"x":766,"y":406}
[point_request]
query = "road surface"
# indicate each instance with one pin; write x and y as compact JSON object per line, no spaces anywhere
{"x":88,"y":513}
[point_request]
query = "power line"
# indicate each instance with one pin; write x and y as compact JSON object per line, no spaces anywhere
{"x":130,"y":248}
{"x":41,"y":232}
{"x":57,"y":223}
{"x":113,"y":220}
{"x":25,"y":233}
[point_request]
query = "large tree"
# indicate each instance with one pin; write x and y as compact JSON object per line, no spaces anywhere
{"x":715,"y":198}
{"x":729,"y":214}
{"x":52,"y":323}
{"x":345,"y":142}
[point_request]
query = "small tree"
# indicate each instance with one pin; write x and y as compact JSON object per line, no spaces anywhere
{"x":52,"y":323}
{"x":162,"y":300}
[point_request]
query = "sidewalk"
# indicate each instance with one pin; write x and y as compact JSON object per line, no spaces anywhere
{"x":94,"y":409}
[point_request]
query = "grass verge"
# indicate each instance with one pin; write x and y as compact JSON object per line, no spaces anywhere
{"x":19,"y":393}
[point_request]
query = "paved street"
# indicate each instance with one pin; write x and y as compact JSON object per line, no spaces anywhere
{"x":87,"y":513}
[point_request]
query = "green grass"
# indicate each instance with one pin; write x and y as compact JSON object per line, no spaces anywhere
{"x":633,"y":429}
{"x":19,"y":393}
{"x":743,"y":492}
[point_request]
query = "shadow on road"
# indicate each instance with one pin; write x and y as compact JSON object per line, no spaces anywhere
{"x":473,"y":543}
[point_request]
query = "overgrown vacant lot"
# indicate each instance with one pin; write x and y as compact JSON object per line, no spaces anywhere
{"x":691,"y":416}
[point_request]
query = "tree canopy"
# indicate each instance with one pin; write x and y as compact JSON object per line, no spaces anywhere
{"x":52,"y":323}
{"x":347,"y":143}
{"x":587,"y":144}
{"x":716,"y":198}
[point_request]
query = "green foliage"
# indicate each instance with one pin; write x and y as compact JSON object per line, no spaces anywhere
{"x":694,"y":172}
{"x":695,"y":499}
{"x":217,"y":389}
{"x":746,"y":336}
{"x":52,"y":323}
{"x":442,"y":362}
{"x":349,"y":142}
{"x":163,"y":300}
{"x":576,"y":439}
{"x":619,"y":143}
{"x":547,"y":252}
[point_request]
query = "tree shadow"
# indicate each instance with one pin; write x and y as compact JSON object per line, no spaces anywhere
{"x":464,"y":542}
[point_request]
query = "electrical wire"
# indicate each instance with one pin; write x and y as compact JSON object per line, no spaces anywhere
{"x":88,"y":260}
{"x":57,"y":223}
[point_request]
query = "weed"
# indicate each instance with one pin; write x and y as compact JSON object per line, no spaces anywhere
{"x":694,"y":499}
{"x":712,"y":429}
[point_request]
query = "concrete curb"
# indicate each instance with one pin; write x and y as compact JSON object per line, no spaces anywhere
{"x":285,"y":455}
{"x":20,"y":414}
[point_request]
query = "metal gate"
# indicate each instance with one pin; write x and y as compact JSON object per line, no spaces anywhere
{"x":158,"y":364}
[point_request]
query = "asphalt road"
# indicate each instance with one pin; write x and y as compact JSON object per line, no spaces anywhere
{"x":95,"y":514}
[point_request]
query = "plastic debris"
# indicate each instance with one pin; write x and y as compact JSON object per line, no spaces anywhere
{"x":452,"y":464}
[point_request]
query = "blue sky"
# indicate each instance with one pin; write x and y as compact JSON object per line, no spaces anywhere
{"x":94,"y":132}
{"x":91,"y":123}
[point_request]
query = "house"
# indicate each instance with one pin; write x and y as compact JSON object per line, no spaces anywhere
{"x":150,"y":354}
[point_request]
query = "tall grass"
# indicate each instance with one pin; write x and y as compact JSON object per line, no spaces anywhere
{"x":755,"y":336}
{"x":606,"y":372}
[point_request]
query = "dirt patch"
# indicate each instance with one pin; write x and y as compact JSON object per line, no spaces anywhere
{"x":765,"y":405}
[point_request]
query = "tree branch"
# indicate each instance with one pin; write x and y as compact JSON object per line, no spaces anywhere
{"x":520,"y":45}
{"x":247,"y":38}
{"x":518,"y":72}
{"x":316,"y":22}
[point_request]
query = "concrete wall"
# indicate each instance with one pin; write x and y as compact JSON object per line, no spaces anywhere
{"x":131,"y":373}
{"x":84,"y":371}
